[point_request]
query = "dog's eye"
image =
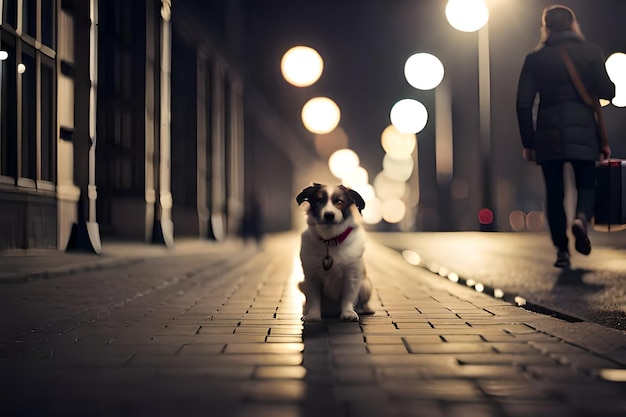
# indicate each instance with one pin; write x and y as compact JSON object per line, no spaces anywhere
{"x":339,"y":202}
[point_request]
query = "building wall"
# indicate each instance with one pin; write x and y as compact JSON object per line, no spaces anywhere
{"x":86,"y":140}
{"x":28,"y":143}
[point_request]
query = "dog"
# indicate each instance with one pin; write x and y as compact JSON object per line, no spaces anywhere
{"x":331,"y":253}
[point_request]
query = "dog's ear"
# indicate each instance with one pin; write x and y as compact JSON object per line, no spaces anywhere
{"x":355,"y":197}
{"x":305,"y":194}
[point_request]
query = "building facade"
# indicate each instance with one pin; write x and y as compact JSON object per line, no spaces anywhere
{"x":123,"y":119}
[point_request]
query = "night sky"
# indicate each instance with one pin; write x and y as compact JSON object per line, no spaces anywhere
{"x":365,"y":43}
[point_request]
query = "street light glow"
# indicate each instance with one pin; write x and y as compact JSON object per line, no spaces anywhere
{"x":321,"y":115}
{"x":373,"y":211}
{"x":616,"y":69}
{"x":409,"y":116}
{"x":423,"y":71}
{"x":388,"y":189}
{"x":397,"y":144}
{"x":301,"y":66}
{"x":393,"y":211}
{"x":355,"y":178}
{"x":467,"y":15}
{"x":398,"y":169}
{"x":343,"y":162}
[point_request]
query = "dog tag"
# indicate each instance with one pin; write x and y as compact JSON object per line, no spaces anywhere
{"x":327,"y":262}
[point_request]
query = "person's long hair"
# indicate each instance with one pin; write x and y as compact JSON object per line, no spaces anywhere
{"x":558,"y":18}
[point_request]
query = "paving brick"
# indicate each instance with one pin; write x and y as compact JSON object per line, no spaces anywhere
{"x":450,"y":348}
{"x":280,"y":372}
{"x":462,"y":338}
{"x":512,"y":389}
{"x":398,"y":348}
{"x":264,"y":348}
{"x":271,"y":391}
{"x":452,"y":390}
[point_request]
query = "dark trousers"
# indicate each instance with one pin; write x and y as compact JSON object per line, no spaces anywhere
{"x":585,"y":175}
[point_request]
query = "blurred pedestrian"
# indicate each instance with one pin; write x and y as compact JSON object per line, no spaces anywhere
{"x":565,"y":129}
{"x":252,"y":222}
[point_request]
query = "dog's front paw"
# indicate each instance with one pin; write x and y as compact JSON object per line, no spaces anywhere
{"x":349,"y":315}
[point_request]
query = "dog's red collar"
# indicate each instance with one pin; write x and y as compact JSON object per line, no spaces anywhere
{"x":340,"y":238}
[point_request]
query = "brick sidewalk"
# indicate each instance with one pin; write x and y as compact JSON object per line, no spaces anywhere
{"x":224,"y":338}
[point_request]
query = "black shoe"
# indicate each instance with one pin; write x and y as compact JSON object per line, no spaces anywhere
{"x":579,"y":229}
{"x":562,"y":259}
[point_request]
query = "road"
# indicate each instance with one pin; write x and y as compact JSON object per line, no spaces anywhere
{"x":520,"y":265}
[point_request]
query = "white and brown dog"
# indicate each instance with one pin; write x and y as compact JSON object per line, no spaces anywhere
{"x":331,"y":252}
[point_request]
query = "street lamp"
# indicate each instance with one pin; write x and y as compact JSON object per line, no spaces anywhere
{"x":4,"y":55}
{"x":616,"y":69}
{"x":301,"y":66}
{"x":467,"y":15}
{"x":320,"y":115}
{"x":409,"y":116}
{"x":423,"y":71}
{"x":471,"y":16}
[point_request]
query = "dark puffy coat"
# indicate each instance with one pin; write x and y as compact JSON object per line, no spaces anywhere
{"x":565,"y":128}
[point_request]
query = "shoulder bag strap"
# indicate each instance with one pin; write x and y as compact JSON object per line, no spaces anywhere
{"x":582,"y":91}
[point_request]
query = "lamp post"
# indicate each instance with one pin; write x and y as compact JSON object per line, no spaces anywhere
{"x":472,"y":16}
{"x":4,"y":55}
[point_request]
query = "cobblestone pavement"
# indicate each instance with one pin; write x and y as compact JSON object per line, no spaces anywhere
{"x":218,"y":333}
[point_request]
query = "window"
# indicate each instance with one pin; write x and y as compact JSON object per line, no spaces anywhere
{"x":48,"y":136}
{"x":28,"y":96}
{"x":48,"y":17}
{"x":29,"y":114}
{"x":9,"y":14}
{"x":29,"y":18}
{"x":8,"y":110}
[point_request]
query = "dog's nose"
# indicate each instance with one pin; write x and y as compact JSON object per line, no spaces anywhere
{"x":329,"y":217}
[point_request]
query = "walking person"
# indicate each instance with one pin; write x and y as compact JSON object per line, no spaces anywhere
{"x":565,"y":130}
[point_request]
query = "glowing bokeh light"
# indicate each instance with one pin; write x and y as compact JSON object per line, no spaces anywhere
{"x":517,"y":220}
{"x":343,"y":162}
{"x":613,"y":374}
{"x":535,"y":221}
{"x":301,"y":66}
{"x":411,"y":257}
{"x":366,"y":191}
{"x":467,"y":15}
{"x":393,"y":211}
{"x":21,"y":68}
{"x":619,"y":100}
{"x":397,"y":144}
{"x":409,"y":116}
{"x":321,"y":115}
{"x":355,"y":178}
{"x":373,"y":211}
{"x":397,"y":169}
{"x":4,"y":55}
{"x":485,"y":216}
{"x":388,"y":189}
{"x":616,"y":67}
{"x":423,"y":71}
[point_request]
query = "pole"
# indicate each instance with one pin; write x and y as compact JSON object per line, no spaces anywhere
{"x":484,"y":99}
